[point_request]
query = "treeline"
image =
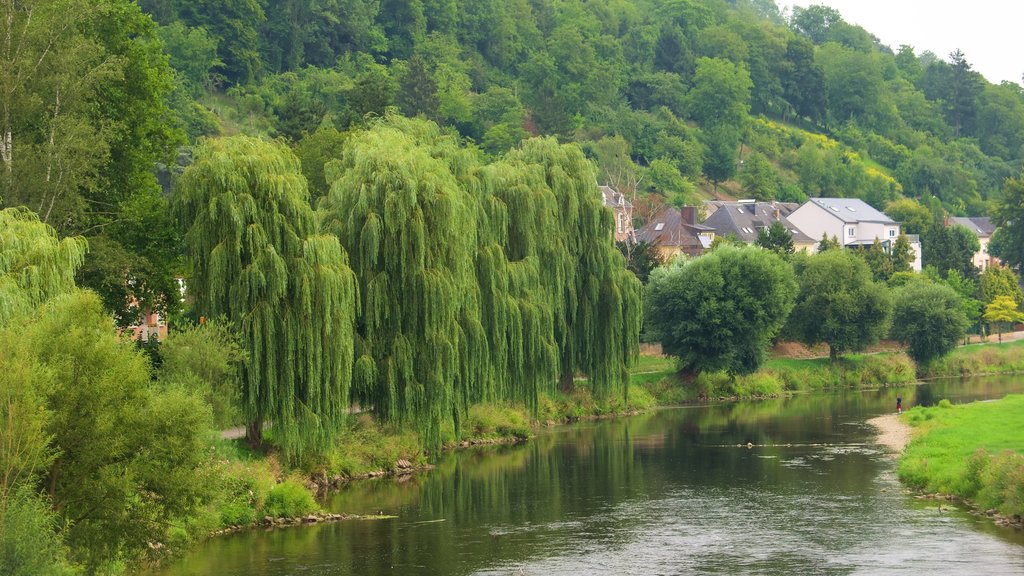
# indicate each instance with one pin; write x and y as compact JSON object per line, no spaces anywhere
{"x":428,"y":281}
{"x":720,"y":312}
{"x":679,"y":80}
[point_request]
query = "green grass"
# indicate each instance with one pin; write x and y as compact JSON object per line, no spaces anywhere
{"x":778,"y":376}
{"x":972,"y":451}
{"x":988,"y":358}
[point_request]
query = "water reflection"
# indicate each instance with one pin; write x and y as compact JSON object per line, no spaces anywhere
{"x":675,"y":491}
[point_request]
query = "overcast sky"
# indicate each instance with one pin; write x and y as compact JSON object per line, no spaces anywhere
{"x":989,"y":32}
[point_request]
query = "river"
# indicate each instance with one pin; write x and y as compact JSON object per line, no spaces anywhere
{"x":676,"y":491}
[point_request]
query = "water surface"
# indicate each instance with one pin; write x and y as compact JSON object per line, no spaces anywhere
{"x":677,"y":491}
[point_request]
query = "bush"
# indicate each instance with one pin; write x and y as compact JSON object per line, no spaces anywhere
{"x":29,"y":541}
{"x":290,"y":499}
{"x":490,"y":421}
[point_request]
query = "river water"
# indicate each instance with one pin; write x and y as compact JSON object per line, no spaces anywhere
{"x":677,"y":491}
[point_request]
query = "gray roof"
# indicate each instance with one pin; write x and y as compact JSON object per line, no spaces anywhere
{"x":852,"y":210}
{"x":980,"y":225}
{"x":613,"y":199}
{"x":668,"y":229}
{"x":744,"y":219}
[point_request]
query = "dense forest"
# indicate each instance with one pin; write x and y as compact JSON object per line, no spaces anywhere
{"x":393,"y":204}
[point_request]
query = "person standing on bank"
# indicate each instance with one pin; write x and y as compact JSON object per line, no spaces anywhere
{"x":899,"y":404}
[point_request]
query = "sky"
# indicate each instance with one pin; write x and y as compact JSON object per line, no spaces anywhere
{"x":987,"y":31}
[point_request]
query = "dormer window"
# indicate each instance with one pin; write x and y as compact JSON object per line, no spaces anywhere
{"x":659,"y":226}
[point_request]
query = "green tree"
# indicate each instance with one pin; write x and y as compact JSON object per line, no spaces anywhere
{"x":912,"y":216}
{"x":641,"y":258}
{"x":1009,"y":215}
{"x":951,"y":248}
{"x":258,"y":260}
{"x":720,"y":311}
{"x":720,"y":143}
{"x":759,"y":178}
{"x":878,"y":261}
{"x":826,"y":243}
{"x":839,"y":304}
{"x":720,"y":94}
{"x":777,"y":239}
{"x":128,"y":460}
{"x":1003,"y":310}
{"x":417,"y":90}
{"x":34,"y":264}
{"x":998,"y":281}
{"x":902,"y":255}
{"x":206,"y":360}
{"x":929,"y":319}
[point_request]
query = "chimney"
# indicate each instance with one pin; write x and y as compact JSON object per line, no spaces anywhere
{"x":689,"y":214}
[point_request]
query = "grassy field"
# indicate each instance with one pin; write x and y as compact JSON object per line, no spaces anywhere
{"x":971,"y":451}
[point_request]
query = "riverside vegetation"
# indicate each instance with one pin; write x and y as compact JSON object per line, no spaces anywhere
{"x":972,"y":452}
{"x":453,"y":273}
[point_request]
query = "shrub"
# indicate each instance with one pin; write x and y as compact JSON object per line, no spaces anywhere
{"x":290,"y":499}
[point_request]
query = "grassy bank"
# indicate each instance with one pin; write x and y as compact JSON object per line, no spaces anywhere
{"x":970,"y":451}
{"x":978,"y":359}
{"x":779,"y":376}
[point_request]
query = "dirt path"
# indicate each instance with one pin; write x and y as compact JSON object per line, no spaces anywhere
{"x":893,"y":433}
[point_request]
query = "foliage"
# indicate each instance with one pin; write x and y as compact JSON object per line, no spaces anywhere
{"x":720,"y":311}
{"x":466,"y":297}
{"x":30,"y":542}
{"x":929,"y":318}
{"x":290,"y":499}
{"x":839,"y":304}
{"x":207,"y":360}
{"x":258,"y":261}
{"x":34,"y":264}
{"x":776,"y":238}
{"x":998,"y":281}
{"x":128,"y":460}
{"x":1009,"y":215}
{"x":958,"y":451}
{"x":1003,"y":310}
{"x":950,"y":248}
{"x":641,"y":257}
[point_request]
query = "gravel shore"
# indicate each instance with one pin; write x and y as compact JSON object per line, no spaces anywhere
{"x":892,"y":432}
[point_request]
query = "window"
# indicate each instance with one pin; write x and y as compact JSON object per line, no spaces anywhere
{"x":622,"y":223}
{"x":892,"y":233}
{"x":851,"y":232}
{"x":659,"y":226}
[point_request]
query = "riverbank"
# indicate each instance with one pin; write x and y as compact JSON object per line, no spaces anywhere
{"x":368,"y":449}
{"x":893,"y":433}
{"x":972,"y":452}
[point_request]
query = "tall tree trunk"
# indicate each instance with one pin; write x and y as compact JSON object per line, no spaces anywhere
{"x":254,"y":433}
{"x":833,"y":354}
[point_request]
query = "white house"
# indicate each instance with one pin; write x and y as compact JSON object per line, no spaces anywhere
{"x":983,"y":228}
{"x":623,"y":210}
{"x":850,"y":220}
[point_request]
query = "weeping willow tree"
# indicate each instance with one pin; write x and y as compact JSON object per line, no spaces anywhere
{"x":479,"y":283}
{"x":594,"y":300}
{"x":411,"y":231}
{"x":34,"y":264}
{"x":258,"y":260}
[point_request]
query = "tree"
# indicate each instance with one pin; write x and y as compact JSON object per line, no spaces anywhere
{"x":913,"y":217}
{"x":776,"y":238}
{"x":826,"y":243}
{"x":998,"y":281}
{"x":1003,"y":310}
{"x":641,"y":258}
{"x":759,"y":178}
{"x":929,"y":319}
{"x":878,"y":261}
{"x":803,"y":82}
{"x":720,"y":94}
{"x":839,"y":304}
{"x":128,"y":460}
{"x":1009,"y":215}
{"x":34,"y":264}
{"x":902,"y":255}
{"x":206,"y":360}
{"x":417,"y":90}
{"x":258,"y":260}
{"x":720,"y":311}
{"x":951,"y":248}
{"x":720,"y":143}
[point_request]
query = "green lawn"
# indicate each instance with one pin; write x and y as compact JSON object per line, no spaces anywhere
{"x":972,"y":451}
